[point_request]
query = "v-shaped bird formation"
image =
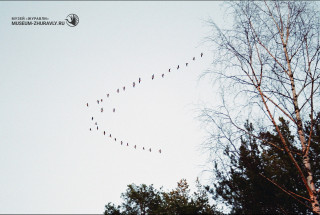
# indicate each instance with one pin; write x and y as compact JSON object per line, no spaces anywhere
{"x":100,"y":101}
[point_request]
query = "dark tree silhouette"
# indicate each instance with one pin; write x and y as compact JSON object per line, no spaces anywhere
{"x":145,"y":199}
{"x":267,"y":66}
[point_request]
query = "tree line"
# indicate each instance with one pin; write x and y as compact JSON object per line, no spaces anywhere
{"x":264,"y":135}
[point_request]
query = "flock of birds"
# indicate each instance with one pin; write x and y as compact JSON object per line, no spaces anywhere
{"x":99,"y":101}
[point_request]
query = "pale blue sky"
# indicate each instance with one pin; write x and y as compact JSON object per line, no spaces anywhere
{"x":49,"y":161}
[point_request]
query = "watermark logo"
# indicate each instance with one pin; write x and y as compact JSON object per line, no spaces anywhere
{"x":72,"y":20}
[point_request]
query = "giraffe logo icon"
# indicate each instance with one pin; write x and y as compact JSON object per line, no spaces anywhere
{"x":72,"y":20}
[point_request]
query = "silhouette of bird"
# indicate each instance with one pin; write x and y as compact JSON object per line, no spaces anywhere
{"x":169,"y":70}
{"x":72,"y":21}
{"x":110,"y":135}
{"x":101,"y":100}
{"x":127,"y":144}
{"x":104,"y":132}
{"x":87,"y":105}
{"x":124,"y":88}
{"x":118,"y":90}
{"x":201,"y":54}
{"x":108,"y":95}
{"x":97,"y":127}
{"x":143,"y":148}
{"x":115,"y":139}
{"x":135,"y":146}
{"x":101,"y":110}
{"x":90,"y":129}
{"x":121,"y":142}
{"x":96,"y":123}
{"x":186,"y":64}
{"x":92,"y":118}
{"x":160,"y":151}
{"x":162,"y":75}
{"x":114,"y":110}
{"x":178,"y":67}
{"x":193,"y":58}
{"x":152,"y":76}
{"x":150,"y":149}
{"x":139,"y":80}
{"x":133,"y":84}
{"x":98,"y":101}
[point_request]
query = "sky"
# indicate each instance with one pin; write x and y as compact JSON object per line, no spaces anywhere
{"x":50,"y":161}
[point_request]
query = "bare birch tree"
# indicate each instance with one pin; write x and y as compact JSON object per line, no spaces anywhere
{"x":267,"y":66}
